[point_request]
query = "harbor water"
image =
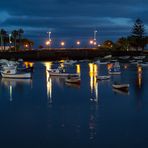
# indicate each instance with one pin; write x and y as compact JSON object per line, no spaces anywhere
{"x":47,"y":112}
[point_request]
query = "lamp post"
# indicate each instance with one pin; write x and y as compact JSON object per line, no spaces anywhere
{"x":10,"y":40}
{"x":78,"y":43}
{"x":48,"y":44}
{"x":49,"y":36}
{"x":62,"y":43}
{"x":95,"y":37}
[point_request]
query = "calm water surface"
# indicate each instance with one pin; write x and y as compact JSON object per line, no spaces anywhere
{"x":45,"y":112}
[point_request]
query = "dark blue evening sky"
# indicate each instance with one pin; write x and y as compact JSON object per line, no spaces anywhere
{"x":72,"y":20}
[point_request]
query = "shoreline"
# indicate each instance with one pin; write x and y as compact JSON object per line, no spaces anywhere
{"x":63,"y":54}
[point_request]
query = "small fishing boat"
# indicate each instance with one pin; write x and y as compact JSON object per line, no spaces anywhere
{"x":25,"y":69}
{"x":139,"y":57}
{"x":101,"y":63}
{"x":13,"y":74}
{"x":108,"y":57}
{"x":103,"y":77}
{"x":115,"y":69}
{"x":124,"y":57}
{"x":69,"y":62}
{"x":73,"y":80}
{"x":123,"y":87}
{"x":59,"y":72}
{"x":143,"y":64}
{"x":114,"y":61}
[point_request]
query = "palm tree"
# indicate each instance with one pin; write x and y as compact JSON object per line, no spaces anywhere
{"x":3,"y":34}
{"x":15,"y":35}
{"x":20,"y":34}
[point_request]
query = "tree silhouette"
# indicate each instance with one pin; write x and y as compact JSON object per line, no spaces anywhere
{"x":20,"y":34}
{"x":3,"y":35}
{"x":15,"y":35}
{"x":138,"y":34}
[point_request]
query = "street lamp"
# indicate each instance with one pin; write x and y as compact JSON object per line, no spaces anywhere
{"x":95,"y":43}
{"x":48,"y":43}
{"x":78,"y":43}
{"x":10,"y":39}
{"x":95,"y":35}
{"x":49,"y":36}
{"x":91,"y":42}
{"x":26,"y":46}
{"x":62,"y":43}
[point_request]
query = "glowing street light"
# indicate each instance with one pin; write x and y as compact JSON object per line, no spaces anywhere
{"x":48,"y":43}
{"x":78,"y":42}
{"x":26,"y":45}
{"x":95,"y":43}
{"x":62,"y":43}
{"x":91,"y":42}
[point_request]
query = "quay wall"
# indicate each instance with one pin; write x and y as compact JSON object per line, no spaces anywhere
{"x":58,"y":54}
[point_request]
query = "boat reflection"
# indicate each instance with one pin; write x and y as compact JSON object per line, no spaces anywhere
{"x":93,"y":72}
{"x":121,"y":91}
{"x":73,"y":85}
{"x":11,"y":84}
{"x":14,"y":82}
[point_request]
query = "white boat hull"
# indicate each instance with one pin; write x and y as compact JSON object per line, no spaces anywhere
{"x":57,"y":72}
{"x":73,"y":80}
{"x":17,"y":76}
{"x":139,"y":57}
{"x":124,"y":57}
{"x":61,"y":74}
{"x":103,"y":77}
{"x":121,"y":86}
{"x":114,"y":73}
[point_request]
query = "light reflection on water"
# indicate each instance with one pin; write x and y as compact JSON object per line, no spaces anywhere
{"x":90,"y":114}
{"x":11,"y":84}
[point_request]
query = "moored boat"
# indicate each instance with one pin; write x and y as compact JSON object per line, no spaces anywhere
{"x":139,"y":57}
{"x":108,"y":57}
{"x":115,"y":70}
{"x":73,"y":80}
{"x":101,"y":62}
{"x":60,"y":73}
{"x":143,"y":64}
{"x":69,"y":62}
{"x":123,"y":87}
{"x":13,"y":74}
{"x":103,"y":77}
{"x":124,"y":57}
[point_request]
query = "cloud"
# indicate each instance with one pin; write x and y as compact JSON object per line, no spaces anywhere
{"x":73,"y":19}
{"x":3,"y":16}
